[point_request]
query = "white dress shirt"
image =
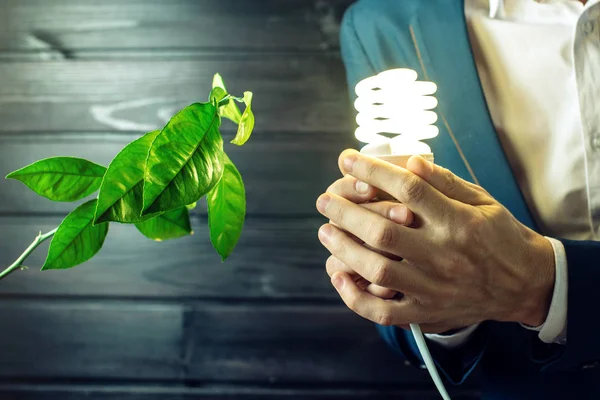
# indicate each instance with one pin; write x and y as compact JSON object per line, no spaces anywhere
{"x":539,"y":65}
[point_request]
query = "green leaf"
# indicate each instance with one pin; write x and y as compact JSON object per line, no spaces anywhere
{"x":170,"y":225}
{"x":191,"y":206}
{"x":76,"y":239}
{"x":229,"y":110}
{"x":216,"y":95}
{"x":185,"y":160}
{"x":246,"y":124}
{"x":218,"y":82}
{"x":61,"y":178}
{"x":120,"y":197}
{"x":226,"y":210}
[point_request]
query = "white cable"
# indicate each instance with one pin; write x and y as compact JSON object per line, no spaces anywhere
{"x":394,"y":102}
{"x":424,"y":350}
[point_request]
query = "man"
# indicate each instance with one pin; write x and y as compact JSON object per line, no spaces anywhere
{"x":492,"y":252}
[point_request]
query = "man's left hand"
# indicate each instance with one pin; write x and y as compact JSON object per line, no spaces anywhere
{"x":466,"y":259}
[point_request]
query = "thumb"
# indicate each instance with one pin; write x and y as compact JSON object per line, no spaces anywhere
{"x":448,"y":183}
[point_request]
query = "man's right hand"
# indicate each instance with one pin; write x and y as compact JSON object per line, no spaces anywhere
{"x":370,"y":198}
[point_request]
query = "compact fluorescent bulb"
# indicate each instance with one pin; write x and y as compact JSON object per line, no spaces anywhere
{"x":395,"y":103}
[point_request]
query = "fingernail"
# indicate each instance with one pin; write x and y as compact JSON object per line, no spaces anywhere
{"x":398,"y":214}
{"x":361,"y":187}
{"x":349,"y":163}
{"x":337,"y":281}
{"x":322,"y":202}
{"x":325,"y":233}
{"x":427,"y":165}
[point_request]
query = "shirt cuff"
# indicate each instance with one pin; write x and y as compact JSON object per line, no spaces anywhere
{"x":554,"y":329}
{"x":454,"y":340}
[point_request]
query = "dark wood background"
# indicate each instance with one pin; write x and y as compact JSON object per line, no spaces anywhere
{"x":149,"y":321}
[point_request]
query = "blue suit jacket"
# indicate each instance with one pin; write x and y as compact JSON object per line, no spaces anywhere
{"x":430,"y":36}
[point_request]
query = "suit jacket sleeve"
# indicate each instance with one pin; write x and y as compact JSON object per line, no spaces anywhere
{"x":582,"y":349}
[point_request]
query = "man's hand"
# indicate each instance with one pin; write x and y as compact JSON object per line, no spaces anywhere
{"x":368,"y":197}
{"x":466,"y":258}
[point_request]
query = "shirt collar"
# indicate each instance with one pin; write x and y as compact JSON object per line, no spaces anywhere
{"x":537,"y":9}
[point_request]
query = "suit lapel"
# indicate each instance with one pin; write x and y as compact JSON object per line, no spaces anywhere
{"x":468,"y":143}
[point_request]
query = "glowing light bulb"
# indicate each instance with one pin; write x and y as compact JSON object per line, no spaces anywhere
{"x":395,"y":103}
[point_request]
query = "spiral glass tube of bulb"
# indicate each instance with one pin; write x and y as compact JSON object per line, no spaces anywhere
{"x":394,"y":103}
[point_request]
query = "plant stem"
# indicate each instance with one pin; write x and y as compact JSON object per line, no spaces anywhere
{"x":37,"y":241}
{"x":224,"y":101}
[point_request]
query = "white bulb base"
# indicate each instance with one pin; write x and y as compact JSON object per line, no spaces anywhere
{"x":402,"y":160}
{"x":397,"y":159}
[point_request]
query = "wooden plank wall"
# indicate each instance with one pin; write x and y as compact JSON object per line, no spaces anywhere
{"x":150,"y":321}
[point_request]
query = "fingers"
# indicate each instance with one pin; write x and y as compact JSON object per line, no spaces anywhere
{"x":359,"y":192}
{"x":373,"y":266}
{"x":380,"y":291}
{"x":373,"y":229}
{"x":356,"y":191}
{"x":352,"y":189}
{"x":380,"y":311}
{"x":393,"y":211}
{"x":407,"y":187}
{"x":334,"y":265}
{"x":448,"y":183}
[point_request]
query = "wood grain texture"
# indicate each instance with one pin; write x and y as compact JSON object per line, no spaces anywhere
{"x":195,"y":342}
{"x":291,"y":93}
{"x":275,"y":258}
{"x":36,"y":391}
{"x":145,"y":320}
{"x":284,"y":173}
{"x":69,"y":26}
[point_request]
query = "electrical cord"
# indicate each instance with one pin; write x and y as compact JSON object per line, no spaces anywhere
{"x":424,"y":350}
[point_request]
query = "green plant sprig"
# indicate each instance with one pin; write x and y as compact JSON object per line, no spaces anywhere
{"x":152,"y":183}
